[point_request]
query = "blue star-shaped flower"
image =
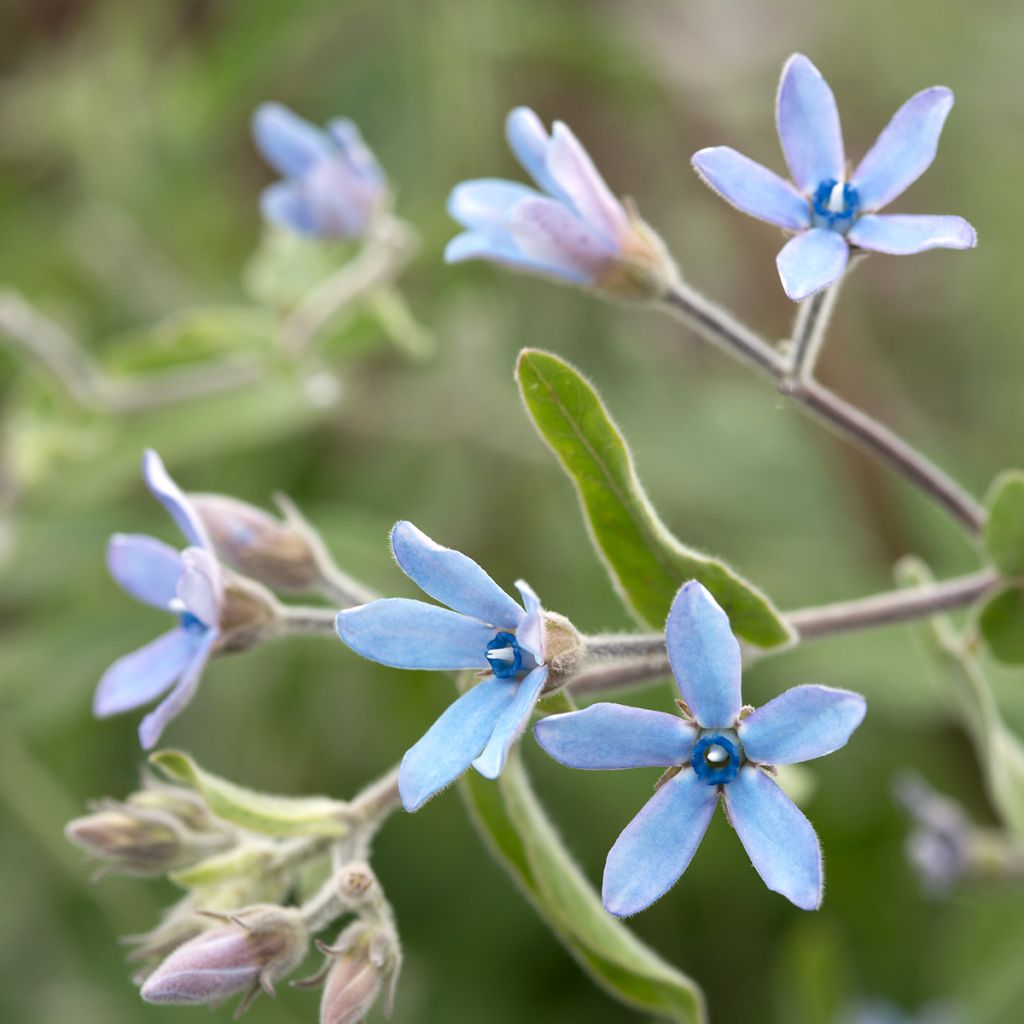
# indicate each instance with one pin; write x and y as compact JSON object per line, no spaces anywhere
{"x":190,"y":586}
{"x":829,"y":208}
{"x":719,"y":752}
{"x":482,"y":628}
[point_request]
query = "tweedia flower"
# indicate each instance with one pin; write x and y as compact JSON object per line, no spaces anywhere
{"x":189,"y":585}
{"x":829,"y":208}
{"x":719,"y":750}
{"x":333,"y":186}
{"x":574,"y":229}
{"x":482,"y":628}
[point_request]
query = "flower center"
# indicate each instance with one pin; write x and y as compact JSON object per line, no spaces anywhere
{"x":504,"y":656}
{"x":716,"y":758}
{"x":835,"y":205}
{"x":191,"y":624}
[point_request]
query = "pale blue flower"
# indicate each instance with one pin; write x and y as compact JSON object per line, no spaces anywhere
{"x":830,"y":209}
{"x":571,"y":227}
{"x":482,"y":628}
{"x":189,"y":585}
{"x":719,"y":750}
{"x":333,"y":186}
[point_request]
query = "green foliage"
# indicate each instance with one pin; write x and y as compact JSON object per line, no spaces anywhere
{"x":1004,"y":528}
{"x":646,"y":562}
{"x":1001,"y":622}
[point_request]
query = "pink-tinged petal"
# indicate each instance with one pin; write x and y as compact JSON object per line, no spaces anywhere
{"x":529,"y":141}
{"x":510,"y":724}
{"x":170,"y":495}
{"x":656,"y":847}
{"x":201,"y":587}
{"x":547,"y":232}
{"x":705,"y":657}
{"x":904,"y":150}
{"x":153,"y":725}
{"x":780,"y":841}
{"x":613,"y":736}
{"x":752,"y":188}
{"x":501,"y":249}
{"x":902,"y":234}
{"x":812,"y":261}
{"x":147,"y":568}
{"x":808,"y":123}
{"x":530,"y":633}
{"x":802,"y":723}
{"x":452,"y":578}
{"x":414,"y":634}
{"x":453,"y":742}
{"x":485,"y":204}
{"x":580,"y":180}
{"x":143,"y":675}
{"x":289,"y":143}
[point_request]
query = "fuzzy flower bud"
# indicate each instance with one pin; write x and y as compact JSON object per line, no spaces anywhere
{"x":563,"y":647}
{"x":366,"y":961}
{"x":256,"y":947}
{"x":249,"y":615}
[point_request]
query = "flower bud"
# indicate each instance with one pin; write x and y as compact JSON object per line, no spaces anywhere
{"x":248,"y":616}
{"x":563,"y":646}
{"x":367,"y":961}
{"x":255,"y":948}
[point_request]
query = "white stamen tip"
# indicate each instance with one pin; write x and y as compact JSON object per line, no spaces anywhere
{"x":716,"y":754}
{"x":506,"y":654}
{"x":836,"y":200}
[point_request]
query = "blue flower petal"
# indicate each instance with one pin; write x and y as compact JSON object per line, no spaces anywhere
{"x":290,"y":144}
{"x":656,"y":847}
{"x":452,"y":578}
{"x":510,"y":724}
{"x":612,"y":736}
{"x":170,"y":495}
{"x":530,"y":633}
{"x":341,"y":202}
{"x":808,"y":123}
{"x":779,"y":840}
{"x":550,"y":234}
{"x":904,"y":150}
{"x":529,"y":141}
{"x":286,"y":204}
{"x":147,"y":568}
{"x":802,"y":723}
{"x":143,"y":675}
{"x":413,"y":634}
{"x":346,"y":134}
{"x":153,"y":725}
{"x":473,"y":245}
{"x":705,"y":657}
{"x":201,"y":587}
{"x":452,"y":743}
{"x":484,"y":204}
{"x":811,"y":261}
{"x":752,"y":188}
{"x":902,"y":234}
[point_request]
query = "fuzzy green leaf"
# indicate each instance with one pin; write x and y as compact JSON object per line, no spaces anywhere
{"x":1004,"y":528}
{"x":646,"y":563}
{"x":1001,"y":621}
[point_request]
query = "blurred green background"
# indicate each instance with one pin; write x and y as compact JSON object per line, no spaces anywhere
{"x":128,"y":189}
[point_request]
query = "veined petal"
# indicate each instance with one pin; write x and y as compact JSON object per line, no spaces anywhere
{"x":286,"y":204}
{"x":170,"y":495}
{"x":752,"y":188}
{"x":578,"y":178}
{"x":529,"y":140}
{"x":904,"y":150}
{"x":656,"y":847}
{"x":530,"y":633}
{"x":808,"y":123}
{"x":201,"y":587}
{"x":902,"y":234}
{"x":290,"y":144}
{"x":452,"y":743}
{"x":501,"y":249}
{"x":413,"y":634}
{"x":510,"y":724}
{"x":146,"y":567}
{"x":780,"y":841}
{"x":802,"y":723}
{"x":153,"y":725}
{"x":612,"y":736}
{"x":143,"y":675}
{"x":484,"y":204}
{"x":705,"y":657}
{"x":811,"y":261}
{"x":452,"y":578}
{"x":549,"y":233}
{"x":349,"y":139}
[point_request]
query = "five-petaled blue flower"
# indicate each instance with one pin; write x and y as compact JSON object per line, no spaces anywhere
{"x":333,"y":186}
{"x":485,"y":630}
{"x":830,"y":209}
{"x":190,"y":586}
{"x":574,"y":230}
{"x":721,"y":751}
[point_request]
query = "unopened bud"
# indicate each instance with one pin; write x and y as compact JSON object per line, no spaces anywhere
{"x":255,"y":948}
{"x":249,"y":614}
{"x":366,"y":962}
{"x":563,"y":646}
{"x":185,"y":805}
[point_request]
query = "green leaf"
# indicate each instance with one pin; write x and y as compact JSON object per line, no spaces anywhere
{"x":646,"y":563}
{"x":248,"y":861}
{"x":258,"y":812}
{"x":998,"y":750}
{"x":1004,"y":528}
{"x":1001,"y":621}
{"x":519,"y":834}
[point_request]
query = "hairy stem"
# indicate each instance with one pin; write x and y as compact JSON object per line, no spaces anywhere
{"x":624,"y":645}
{"x":812,"y":321}
{"x":301,"y":620}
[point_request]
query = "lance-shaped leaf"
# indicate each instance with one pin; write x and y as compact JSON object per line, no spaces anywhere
{"x":647,"y":564}
{"x":258,"y":812}
{"x":1000,"y":753}
{"x":1004,"y":527}
{"x":520,"y":836}
{"x":247,"y":861}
